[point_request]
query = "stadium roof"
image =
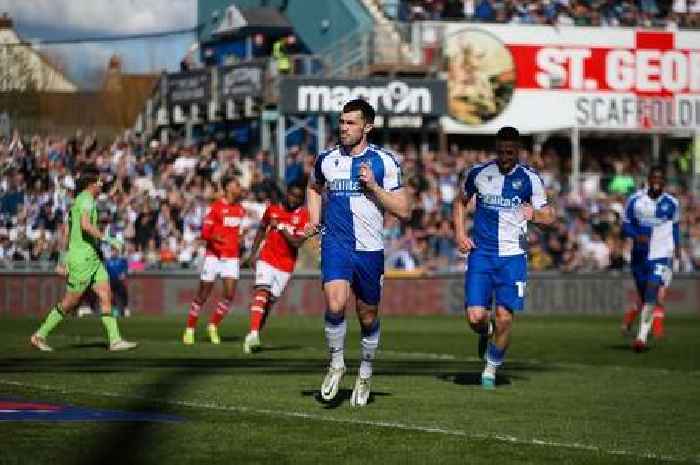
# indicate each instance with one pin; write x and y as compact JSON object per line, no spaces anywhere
{"x":251,"y":20}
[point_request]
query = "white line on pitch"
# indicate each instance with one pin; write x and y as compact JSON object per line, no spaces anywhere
{"x":378,"y":424}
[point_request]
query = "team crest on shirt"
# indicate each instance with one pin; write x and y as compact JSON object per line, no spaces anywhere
{"x":337,"y":162}
{"x":517,"y":184}
{"x":489,"y":178}
{"x":664,"y":207}
{"x":295,"y":220}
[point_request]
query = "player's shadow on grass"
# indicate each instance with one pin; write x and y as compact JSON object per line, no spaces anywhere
{"x":128,"y":442}
{"x":343,"y":396}
{"x":280,"y":348}
{"x":230,"y":339}
{"x":474,"y":379}
{"x":619,"y":347}
{"x":88,"y":345}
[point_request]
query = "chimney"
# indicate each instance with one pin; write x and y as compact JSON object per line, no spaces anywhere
{"x":5,"y":21}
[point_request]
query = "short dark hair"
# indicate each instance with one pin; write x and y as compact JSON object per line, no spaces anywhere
{"x":225,"y":180}
{"x":657,"y":168}
{"x":508,"y":134}
{"x":88,"y":175}
{"x":296,"y":185}
{"x":363,"y":107}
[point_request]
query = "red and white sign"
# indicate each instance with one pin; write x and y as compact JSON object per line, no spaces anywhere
{"x":594,"y":78}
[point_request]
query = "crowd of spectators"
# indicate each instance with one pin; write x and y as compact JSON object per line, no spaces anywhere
{"x":155,"y":198}
{"x":669,"y":14}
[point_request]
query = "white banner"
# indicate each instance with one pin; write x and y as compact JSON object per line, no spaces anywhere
{"x":541,"y":78}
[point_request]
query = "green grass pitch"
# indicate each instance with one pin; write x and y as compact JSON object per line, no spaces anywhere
{"x":571,"y":392}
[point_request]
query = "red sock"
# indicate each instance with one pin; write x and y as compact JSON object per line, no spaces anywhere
{"x":268,"y":310}
{"x":193,"y":315}
{"x":630,"y":315}
{"x":657,"y":324}
{"x":257,"y":309}
{"x":222,"y":309}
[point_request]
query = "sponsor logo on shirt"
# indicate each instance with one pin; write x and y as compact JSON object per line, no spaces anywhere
{"x":232,"y":221}
{"x":344,"y":186}
{"x":498,"y":202}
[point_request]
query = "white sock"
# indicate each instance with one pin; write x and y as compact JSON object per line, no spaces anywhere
{"x":369,"y":343}
{"x":645,"y":322}
{"x":335,"y":328}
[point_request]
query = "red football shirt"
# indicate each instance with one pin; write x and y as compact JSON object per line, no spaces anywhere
{"x":277,"y":251}
{"x":223,"y":220}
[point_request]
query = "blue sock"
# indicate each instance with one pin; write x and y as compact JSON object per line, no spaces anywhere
{"x":494,"y":358}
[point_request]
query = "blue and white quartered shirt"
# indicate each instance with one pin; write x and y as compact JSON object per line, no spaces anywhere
{"x":658,"y":219}
{"x":499,"y":227}
{"x":350,"y":218}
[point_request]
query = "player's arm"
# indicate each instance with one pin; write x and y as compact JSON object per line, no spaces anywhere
{"x":459,"y":213}
{"x":92,"y":230}
{"x":314,"y":189}
{"x":208,"y":226}
{"x":395,"y":200}
{"x":677,"y":233}
{"x":61,"y":267}
{"x":537,"y":210}
{"x":294,"y":239}
{"x":259,"y":236}
{"x":544,"y":215}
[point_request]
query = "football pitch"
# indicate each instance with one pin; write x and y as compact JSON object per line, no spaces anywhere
{"x":571,"y":392}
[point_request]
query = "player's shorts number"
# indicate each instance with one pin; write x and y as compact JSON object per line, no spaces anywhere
{"x":662,"y":271}
{"x":521,"y":288}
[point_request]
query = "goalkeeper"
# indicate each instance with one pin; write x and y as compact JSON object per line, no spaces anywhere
{"x":83,"y":266}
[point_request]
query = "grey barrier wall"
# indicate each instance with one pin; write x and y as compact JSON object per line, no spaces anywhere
{"x":32,"y":293}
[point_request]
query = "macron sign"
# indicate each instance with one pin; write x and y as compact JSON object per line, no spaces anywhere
{"x":388,"y":97}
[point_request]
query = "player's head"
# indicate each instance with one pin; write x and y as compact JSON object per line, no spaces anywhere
{"x":356,"y":121}
{"x":507,"y":148}
{"x":89,"y":179}
{"x":231,"y":187}
{"x":656,"y":180}
{"x":295,"y":196}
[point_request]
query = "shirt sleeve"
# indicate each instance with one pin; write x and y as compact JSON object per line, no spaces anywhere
{"x":469,"y":187}
{"x":209,"y":222}
{"x":86,"y":205}
{"x":317,"y":173}
{"x":538,"y":198}
{"x":392,"y":174}
{"x":629,"y":228}
{"x":266,"y":216}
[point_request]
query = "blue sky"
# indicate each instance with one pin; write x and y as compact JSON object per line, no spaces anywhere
{"x":70,"y":19}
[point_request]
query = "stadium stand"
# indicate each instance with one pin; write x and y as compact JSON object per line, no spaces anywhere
{"x":156,"y":197}
{"x":642,"y":13}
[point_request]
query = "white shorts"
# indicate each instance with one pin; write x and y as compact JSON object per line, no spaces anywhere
{"x":227,"y":268}
{"x":268,"y":276}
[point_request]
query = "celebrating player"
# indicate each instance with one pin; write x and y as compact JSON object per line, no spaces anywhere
{"x":220,"y":231}
{"x":508,"y":195}
{"x":282,"y":228}
{"x":651,"y":223}
{"x":361,"y":181}
{"x":84,"y":267}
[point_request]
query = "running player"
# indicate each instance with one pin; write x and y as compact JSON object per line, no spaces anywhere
{"x":84,"y":267}
{"x":359,"y":182}
{"x":220,"y":231}
{"x":651,"y":223}
{"x":508,"y":195}
{"x":282,"y":228}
